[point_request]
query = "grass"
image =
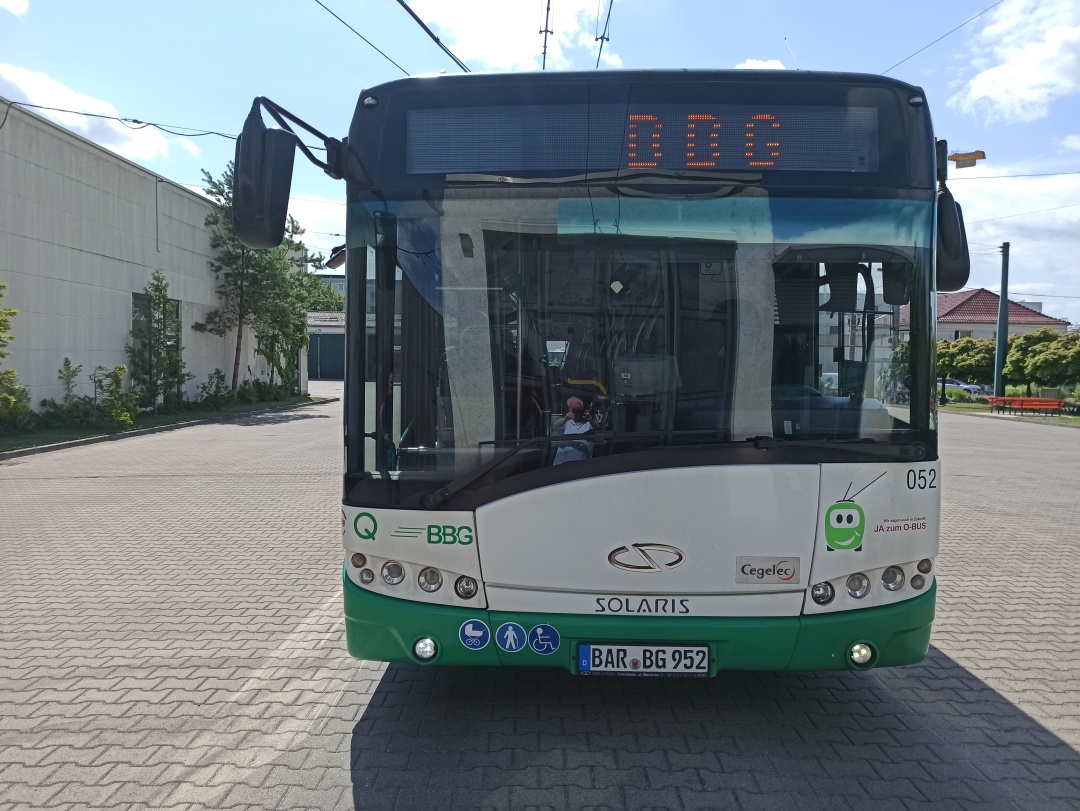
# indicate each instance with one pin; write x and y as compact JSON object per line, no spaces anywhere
{"x":51,"y":436}
{"x":984,"y":408}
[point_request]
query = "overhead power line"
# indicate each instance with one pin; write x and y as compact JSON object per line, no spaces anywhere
{"x":431,"y":34}
{"x":995,"y":177}
{"x":936,"y":41}
{"x":1025,"y":213}
{"x":365,"y":39}
{"x":604,"y":37}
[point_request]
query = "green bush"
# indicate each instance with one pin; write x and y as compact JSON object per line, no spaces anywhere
{"x":73,"y":409}
{"x":270,"y":392}
{"x":961,"y":396}
{"x":214,"y":393}
{"x":16,"y":413}
{"x":247,"y":393}
{"x":118,"y":406}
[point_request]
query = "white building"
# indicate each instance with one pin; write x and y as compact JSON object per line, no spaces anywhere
{"x":81,"y":231}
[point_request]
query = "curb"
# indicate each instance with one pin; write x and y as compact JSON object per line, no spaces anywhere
{"x":94,"y":440}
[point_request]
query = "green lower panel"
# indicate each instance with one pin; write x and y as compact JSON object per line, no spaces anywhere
{"x":384,"y":629}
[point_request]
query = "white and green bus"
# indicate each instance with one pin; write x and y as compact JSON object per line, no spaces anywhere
{"x":639,"y":367}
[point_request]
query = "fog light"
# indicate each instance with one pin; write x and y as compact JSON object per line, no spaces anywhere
{"x":366,"y":576}
{"x":925,"y":565}
{"x":858,"y":585}
{"x":892,"y":578}
{"x":918,"y":581}
{"x":425,"y":648}
{"x":359,"y":560}
{"x":430,"y":579}
{"x":393,"y":572}
{"x":861,"y":654}
{"x":466,"y":587}
{"x":822,"y":593}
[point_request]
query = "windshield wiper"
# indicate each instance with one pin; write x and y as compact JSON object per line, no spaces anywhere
{"x":916,"y":451}
{"x":437,"y":497}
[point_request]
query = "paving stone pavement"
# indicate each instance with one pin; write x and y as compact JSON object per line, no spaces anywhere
{"x":171,"y":637}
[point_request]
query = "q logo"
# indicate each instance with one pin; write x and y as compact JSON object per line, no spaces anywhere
{"x":365,"y":526}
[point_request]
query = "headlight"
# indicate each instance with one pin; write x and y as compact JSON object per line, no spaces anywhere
{"x":822,"y":593}
{"x":425,"y":648}
{"x":430,"y":579}
{"x":366,"y":576}
{"x":925,"y":565}
{"x":858,"y":585}
{"x":861,"y":654}
{"x":393,"y":572}
{"x":918,"y":581}
{"x":466,"y":587}
{"x":892,"y":578}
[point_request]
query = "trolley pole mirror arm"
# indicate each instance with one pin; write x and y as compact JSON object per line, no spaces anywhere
{"x":262,"y":173}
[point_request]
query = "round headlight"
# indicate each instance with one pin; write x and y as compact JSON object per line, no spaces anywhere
{"x":925,"y":565}
{"x":918,"y":581}
{"x":858,"y":585}
{"x":861,"y":654}
{"x":425,"y":648}
{"x":359,"y":560}
{"x":466,"y":587}
{"x":366,"y":576}
{"x":393,"y":572}
{"x":430,"y":579}
{"x":822,"y":593}
{"x":892,"y":578}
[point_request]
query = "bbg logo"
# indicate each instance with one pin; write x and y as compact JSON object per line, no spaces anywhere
{"x":446,"y":534}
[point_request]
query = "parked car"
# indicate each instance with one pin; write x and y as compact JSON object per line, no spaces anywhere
{"x":952,"y":383}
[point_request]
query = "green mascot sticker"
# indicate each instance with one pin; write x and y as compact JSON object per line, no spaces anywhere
{"x":844,"y":526}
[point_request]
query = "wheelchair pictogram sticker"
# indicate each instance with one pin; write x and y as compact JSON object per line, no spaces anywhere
{"x":474,"y":634}
{"x":544,"y":639}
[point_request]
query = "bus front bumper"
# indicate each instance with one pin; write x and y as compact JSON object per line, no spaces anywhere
{"x":385,"y":629}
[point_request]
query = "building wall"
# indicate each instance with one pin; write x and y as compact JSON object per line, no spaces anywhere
{"x":81,"y":229}
{"x":950,"y":332}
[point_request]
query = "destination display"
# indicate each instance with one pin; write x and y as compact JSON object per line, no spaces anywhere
{"x":575,"y":138}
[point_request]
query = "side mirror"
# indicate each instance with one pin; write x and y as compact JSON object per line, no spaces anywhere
{"x":953,"y":259}
{"x":262,"y":180}
{"x":895,"y":282}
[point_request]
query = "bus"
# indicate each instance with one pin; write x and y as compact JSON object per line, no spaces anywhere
{"x":640,"y":366}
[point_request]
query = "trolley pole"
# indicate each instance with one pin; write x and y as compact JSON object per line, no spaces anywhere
{"x":1002,"y":348}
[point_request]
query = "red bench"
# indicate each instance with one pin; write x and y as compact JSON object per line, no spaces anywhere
{"x":1040,"y":405}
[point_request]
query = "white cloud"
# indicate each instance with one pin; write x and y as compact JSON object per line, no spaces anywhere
{"x":1041,"y":245}
{"x":191,"y":147}
{"x":1028,"y":55}
{"x":19,"y":84}
{"x":761,"y":64}
{"x":16,"y":7}
{"x":1071,"y":142}
{"x":501,"y":35}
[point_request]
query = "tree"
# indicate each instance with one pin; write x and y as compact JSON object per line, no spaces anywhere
{"x":1022,"y":348}
{"x":156,"y":356}
{"x":6,"y":316}
{"x":946,"y":359}
{"x":322,"y":298}
{"x":973,"y":360}
{"x":1056,"y":363}
{"x":241,"y":271}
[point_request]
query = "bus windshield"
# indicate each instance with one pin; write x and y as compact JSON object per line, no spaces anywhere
{"x":587,"y":323}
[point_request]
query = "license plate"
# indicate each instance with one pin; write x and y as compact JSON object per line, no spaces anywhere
{"x":643,"y":660}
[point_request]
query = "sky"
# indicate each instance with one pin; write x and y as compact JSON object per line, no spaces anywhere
{"x":1006,"y":82}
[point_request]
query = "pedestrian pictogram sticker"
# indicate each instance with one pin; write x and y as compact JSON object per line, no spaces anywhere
{"x":511,"y":637}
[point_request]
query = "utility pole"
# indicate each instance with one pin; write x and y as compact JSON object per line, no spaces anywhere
{"x":1002,"y":348}
{"x":545,"y":31}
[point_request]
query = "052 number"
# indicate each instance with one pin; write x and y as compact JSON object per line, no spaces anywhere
{"x":922,"y":479}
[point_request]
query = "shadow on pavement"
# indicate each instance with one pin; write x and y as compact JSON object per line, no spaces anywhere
{"x":931,"y":734}
{"x":280,"y":418}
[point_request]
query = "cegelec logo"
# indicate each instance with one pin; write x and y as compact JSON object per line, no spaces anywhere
{"x":767,"y":570}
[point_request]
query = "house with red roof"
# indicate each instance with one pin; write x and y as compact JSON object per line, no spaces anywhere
{"x":973,"y":314}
